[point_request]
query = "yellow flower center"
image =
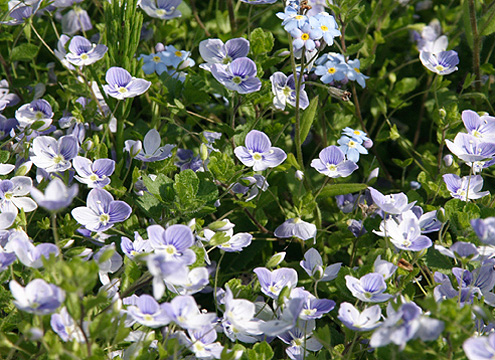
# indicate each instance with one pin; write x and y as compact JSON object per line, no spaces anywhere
{"x":178,"y":53}
{"x":122,"y":90}
{"x":357,"y":132}
{"x":148,"y":317}
{"x":351,"y":144}
{"x":439,"y":68}
{"x":156,"y":58}
{"x":257,"y":156}
{"x":332,"y":70}
{"x":331,"y":167}
{"x":305,"y":36}
{"x":298,"y":17}
{"x":324,"y":28}
{"x":357,"y":70}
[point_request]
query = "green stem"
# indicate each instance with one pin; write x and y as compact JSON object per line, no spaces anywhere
{"x":119,"y":142}
{"x":476,"y":45}
{"x":55,"y":232}
{"x":216,"y":278}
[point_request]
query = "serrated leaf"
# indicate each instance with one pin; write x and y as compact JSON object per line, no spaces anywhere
{"x":24,"y":52}
{"x":261,"y":41}
{"x":219,"y":238}
{"x":308,"y":118}
{"x":341,"y":189}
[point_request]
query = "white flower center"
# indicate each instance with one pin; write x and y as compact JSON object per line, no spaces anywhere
{"x":170,"y":250}
{"x":122,"y":90}
{"x":58,"y":159}
{"x":104,"y":219}
{"x":331,"y":167}
{"x":257,"y":156}
{"x":236,"y":80}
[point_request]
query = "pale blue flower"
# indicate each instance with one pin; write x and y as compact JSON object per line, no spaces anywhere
{"x":214,"y":51}
{"x":161,"y":9}
{"x":56,"y":197}
{"x":332,"y":163}
{"x":102,"y":211}
{"x":259,"y":152}
{"x":54,"y":155}
{"x":94,"y":174}
{"x":153,"y":63}
{"x":12,"y":195}
{"x":122,"y":85}
{"x":368,"y":319}
{"x":83,"y":52}
{"x":442,"y":63}
{"x":239,"y":76}
{"x":284,"y":89}
{"x":272,"y":282}
{"x":38,"y":111}
{"x":152,"y":150}
{"x":354,"y":72}
{"x":469,"y":187}
{"x":65,"y":326}
{"x":174,"y":242}
{"x":351,"y":148}
{"x":369,"y":288}
{"x":38,"y":297}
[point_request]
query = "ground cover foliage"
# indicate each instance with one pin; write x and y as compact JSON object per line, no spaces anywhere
{"x":252,"y":179}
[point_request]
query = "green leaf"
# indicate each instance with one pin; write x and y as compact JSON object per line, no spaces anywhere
{"x":4,"y":156}
{"x":341,"y":189}
{"x":487,"y":25}
{"x":260,"y":351}
{"x":308,"y":118}
{"x":351,"y":50}
{"x":261,"y":41}
{"x":467,"y":23}
{"x":186,"y":186}
{"x":24,"y":52}
{"x":219,"y":238}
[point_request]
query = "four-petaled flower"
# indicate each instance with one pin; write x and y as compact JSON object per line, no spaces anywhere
{"x":102,"y":211}
{"x":259,"y":152}
{"x":121,"y":85}
{"x":332,"y":163}
{"x":239,"y":76}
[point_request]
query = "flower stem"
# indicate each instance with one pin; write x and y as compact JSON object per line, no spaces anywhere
{"x":476,"y":45}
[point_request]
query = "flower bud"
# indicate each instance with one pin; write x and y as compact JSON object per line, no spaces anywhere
{"x":415,"y":185}
{"x":159,"y":47}
{"x":448,"y":160}
{"x":368,"y":143}
{"x":203,"y":152}
{"x":442,"y":113}
{"x":275,"y":259}
{"x":24,"y":168}
{"x":299,"y":175}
